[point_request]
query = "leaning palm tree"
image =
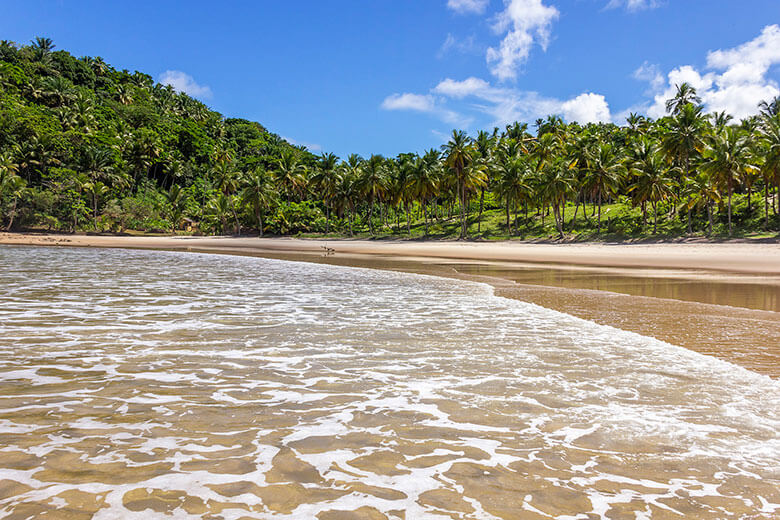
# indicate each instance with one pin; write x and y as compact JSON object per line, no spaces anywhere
{"x":770,"y":109}
{"x":727,"y":159}
{"x":257,"y":191}
{"x":12,"y":187}
{"x":458,"y":156}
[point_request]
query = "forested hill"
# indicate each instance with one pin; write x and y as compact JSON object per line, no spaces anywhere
{"x":86,"y":146}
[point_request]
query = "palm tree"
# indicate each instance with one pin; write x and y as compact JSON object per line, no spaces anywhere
{"x":770,"y":109}
{"x":226,"y":176}
{"x":11,"y":187}
{"x":727,"y":160}
{"x":423,"y":181}
{"x":770,"y":169}
{"x":258,"y":192}
{"x":458,"y":156}
{"x":290,"y":173}
{"x":325,"y":179}
{"x":373,"y":183}
{"x":175,"y":197}
{"x":652,"y":182}
{"x":684,"y":139}
{"x":555,"y":185}
{"x":512,"y":184}
{"x":686,"y":95}
{"x":605,"y":173}
{"x":485,"y":146}
{"x":97,"y":189}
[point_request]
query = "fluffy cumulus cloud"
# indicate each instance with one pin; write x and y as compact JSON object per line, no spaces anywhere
{"x":586,"y":108}
{"x":633,"y":5}
{"x":522,"y":23}
{"x":182,"y":82}
{"x":425,"y":103}
{"x":468,"y":6}
{"x":735,"y":80}
{"x":505,"y":105}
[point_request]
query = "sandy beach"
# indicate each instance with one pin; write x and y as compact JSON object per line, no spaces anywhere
{"x":720,"y":299}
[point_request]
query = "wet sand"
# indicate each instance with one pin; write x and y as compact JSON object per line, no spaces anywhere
{"x":717,"y":299}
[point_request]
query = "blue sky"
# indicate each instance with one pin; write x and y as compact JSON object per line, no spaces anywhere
{"x":391,"y":76}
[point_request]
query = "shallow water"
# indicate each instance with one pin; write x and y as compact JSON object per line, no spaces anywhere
{"x":190,"y":385}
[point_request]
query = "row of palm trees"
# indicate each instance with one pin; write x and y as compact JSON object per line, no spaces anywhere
{"x":689,"y":160}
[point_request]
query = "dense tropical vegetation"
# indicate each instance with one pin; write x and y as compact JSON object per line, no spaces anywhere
{"x":85,"y":147}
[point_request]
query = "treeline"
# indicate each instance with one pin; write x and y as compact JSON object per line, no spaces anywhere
{"x":86,"y":147}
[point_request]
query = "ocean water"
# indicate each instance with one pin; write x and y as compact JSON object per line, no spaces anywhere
{"x":140,"y":384}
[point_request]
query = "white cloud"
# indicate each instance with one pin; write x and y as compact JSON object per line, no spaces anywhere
{"x":651,"y":73}
{"x":424,"y":103}
{"x":468,"y":6}
{"x":634,"y":5}
{"x":525,"y":22}
{"x":466,"y":45}
{"x":506,"y":105}
{"x":736,"y":80}
{"x":182,"y":82}
{"x":586,"y":108}
{"x":313,"y":147}
{"x":407,"y":101}
{"x":460,"y":89}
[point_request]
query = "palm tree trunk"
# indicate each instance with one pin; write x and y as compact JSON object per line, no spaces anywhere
{"x":599,"y":224}
{"x":425,"y":216}
{"x":730,"y":193}
{"x":655,"y":216}
{"x":508,"y":224}
{"x":709,"y":216}
{"x":766,"y":205}
{"x":481,"y":202}
{"x":11,"y":216}
{"x":408,"y":222}
{"x":327,"y":218}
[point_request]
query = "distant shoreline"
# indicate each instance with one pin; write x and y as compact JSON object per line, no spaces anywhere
{"x":749,"y":337}
{"x":733,"y":256}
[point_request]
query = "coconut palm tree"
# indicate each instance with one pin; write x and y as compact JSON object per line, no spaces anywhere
{"x":325,"y":179}
{"x":424,"y":180}
{"x":727,"y":159}
{"x":458,"y":157}
{"x":12,"y":187}
{"x":604,"y":174}
{"x":686,"y":95}
{"x":652,"y":182}
{"x":290,"y":174}
{"x":770,"y":169}
{"x":513,"y":184}
{"x":258,"y":192}
{"x":684,"y":139}
{"x":373,"y":184}
{"x":556,"y":183}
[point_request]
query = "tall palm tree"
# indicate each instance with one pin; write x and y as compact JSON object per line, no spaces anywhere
{"x":290,"y":173}
{"x":770,"y":169}
{"x":458,"y":156}
{"x":325,"y":179}
{"x":727,"y":159}
{"x":373,"y":183}
{"x":423,"y":181}
{"x":686,"y":95}
{"x":556,"y":182}
{"x":605,"y":173}
{"x":652,"y":182}
{"x":684,"y":139}
{"x":258,"y":192}
{"x":513,"y":184}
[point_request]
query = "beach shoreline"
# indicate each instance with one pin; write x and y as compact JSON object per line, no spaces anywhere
{"x":745,"y":336}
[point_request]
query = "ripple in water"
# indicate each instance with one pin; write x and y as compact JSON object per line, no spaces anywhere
{"x":136,"y":383}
